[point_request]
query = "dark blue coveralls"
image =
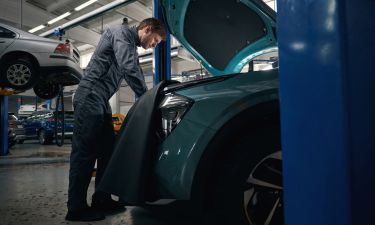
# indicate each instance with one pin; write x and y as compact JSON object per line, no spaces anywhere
{"x":114,"y":59}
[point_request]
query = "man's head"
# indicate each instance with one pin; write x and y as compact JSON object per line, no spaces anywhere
{"x":151,"y":32}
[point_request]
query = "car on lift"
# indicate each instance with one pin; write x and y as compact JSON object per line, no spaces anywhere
{"x":29,"y":61}
{"x":215,"y":142}
{"x":41,"y":125}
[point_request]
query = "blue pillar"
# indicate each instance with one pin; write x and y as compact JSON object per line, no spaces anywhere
{"x":4,"y":125}
{"x":162,"y":53}
{"x":327,"y":95}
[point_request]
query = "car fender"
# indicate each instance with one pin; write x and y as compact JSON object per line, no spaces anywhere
{"x":10,"y":55}
{"x":179,"y":167}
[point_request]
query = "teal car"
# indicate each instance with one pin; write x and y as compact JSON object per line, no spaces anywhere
{"x":214,"y":143}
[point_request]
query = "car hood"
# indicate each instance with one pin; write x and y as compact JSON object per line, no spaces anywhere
{"x":223,"y":35}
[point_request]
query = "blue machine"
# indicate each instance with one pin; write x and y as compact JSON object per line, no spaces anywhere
{"x":327,"y":110}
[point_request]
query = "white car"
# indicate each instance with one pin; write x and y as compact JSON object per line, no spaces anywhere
{"x":27,"y":61}
{"x":26,"y":110}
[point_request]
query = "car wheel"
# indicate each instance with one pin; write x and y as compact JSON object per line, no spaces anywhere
{"x":46,"y":90}
{"x":20,"y":141}
{"x":262,"y":197}
{"x":43,"y":139}
{"x":247,"y":187}
{"x":19,"y":74}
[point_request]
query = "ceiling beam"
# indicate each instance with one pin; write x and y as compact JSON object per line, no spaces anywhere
{"x":58,"y":4}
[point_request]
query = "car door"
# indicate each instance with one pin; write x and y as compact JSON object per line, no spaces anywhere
{"x":27,"y":125}
{"x":31,"y":125}
{"x":7,"y":37}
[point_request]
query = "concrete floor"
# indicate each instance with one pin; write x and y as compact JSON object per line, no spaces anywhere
{"x":36,"y":192}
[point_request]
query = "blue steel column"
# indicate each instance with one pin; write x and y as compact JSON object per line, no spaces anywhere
{"x":162,"y":53}
{"x":4,"y":125}
{"x":327,"y":95}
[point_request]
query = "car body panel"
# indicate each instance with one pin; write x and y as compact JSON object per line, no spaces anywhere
{"x":177,"y":159}
{"x":6,"y":41}
{"x":214,"y":105}
{"x":16,"y":126}
{"x":227,"y":34}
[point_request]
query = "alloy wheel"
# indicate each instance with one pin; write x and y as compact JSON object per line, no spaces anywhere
{"x":18,"y":74}
{"x":263,"y":195}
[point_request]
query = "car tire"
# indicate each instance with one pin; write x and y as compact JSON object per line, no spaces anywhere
{"x":234,"y":198}
{"x":20,"y":141}
{"x":46,"y":90}
{"x":19,"y":74}
{"x":43,"y":138}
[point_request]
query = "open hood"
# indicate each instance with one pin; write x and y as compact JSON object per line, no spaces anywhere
{"x":223,"y":35}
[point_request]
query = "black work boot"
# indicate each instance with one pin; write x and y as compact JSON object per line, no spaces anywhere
{"x":84,"y":214}
{"x":108,"y":206}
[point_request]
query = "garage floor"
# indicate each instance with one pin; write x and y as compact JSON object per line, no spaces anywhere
{"x":33,"y":190}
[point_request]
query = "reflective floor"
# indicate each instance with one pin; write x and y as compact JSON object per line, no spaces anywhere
{"x":36,"y":193}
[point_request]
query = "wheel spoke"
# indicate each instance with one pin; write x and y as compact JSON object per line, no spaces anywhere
{"x":263,"y":200}
{"x":24,"y":70}
{"x":24,"y":80}
{"x":248,"y":195}
{"x":272,"y":213}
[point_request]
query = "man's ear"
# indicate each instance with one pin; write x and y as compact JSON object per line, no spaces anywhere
{"x":147,"y":29}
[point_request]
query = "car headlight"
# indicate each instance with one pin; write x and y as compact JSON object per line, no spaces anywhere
{"x":173,"y":108}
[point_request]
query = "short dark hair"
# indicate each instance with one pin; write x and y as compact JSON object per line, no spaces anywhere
{"x":155,"y":24}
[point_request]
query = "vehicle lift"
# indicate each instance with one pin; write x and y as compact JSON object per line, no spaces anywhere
{"x":59,"y":118}
{"x":4,"y":93}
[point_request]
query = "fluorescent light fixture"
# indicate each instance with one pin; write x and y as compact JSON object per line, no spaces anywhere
{"x":37,"y":28}
{"x":59,"y":18}
{"x":90,"y":15}
{"x":84,"y":5}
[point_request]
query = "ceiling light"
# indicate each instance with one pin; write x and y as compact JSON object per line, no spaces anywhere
{"x":59,"y":18}
{"x":84,"y":5}
{"x":37,"y":28}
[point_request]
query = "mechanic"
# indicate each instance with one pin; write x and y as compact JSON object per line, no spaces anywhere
{"x":114,"y":59}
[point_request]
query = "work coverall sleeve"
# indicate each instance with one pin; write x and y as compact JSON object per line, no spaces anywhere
{"x":127,"y":59}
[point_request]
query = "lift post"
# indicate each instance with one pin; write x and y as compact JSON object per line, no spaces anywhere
{"x":4,"y":150}
{"x":162,"y":52}
{"x":327,"y":111}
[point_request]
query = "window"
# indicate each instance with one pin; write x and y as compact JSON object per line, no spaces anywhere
{"x":5,"y":33}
